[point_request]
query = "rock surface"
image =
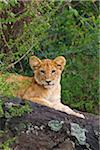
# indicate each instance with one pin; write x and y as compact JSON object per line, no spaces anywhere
{"x":33,"y":130}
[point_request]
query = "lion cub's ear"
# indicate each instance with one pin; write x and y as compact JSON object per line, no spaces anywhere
{"x":60,"y":62}
{"x":34,"y":62}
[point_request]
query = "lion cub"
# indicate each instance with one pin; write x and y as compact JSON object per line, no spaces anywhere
{"x":45,"y":85}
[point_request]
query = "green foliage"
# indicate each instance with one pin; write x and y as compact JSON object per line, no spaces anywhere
{"x":52,"y":28}
{"x":1,"y":108}
{"x":80,"y":83}
{"x":14,"y":110}
{"x":6,"y":144}
{"x":6,"y":88}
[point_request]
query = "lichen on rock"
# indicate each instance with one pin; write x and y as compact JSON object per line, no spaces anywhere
{"x":55,"y":125}
{"x":79,"y":133}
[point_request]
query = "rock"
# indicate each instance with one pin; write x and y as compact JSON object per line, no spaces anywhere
{"x":34,"y":130}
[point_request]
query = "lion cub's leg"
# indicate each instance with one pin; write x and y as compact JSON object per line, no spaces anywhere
{"x":41,"y":101}
{"x":68,"y":110}
{"x":57,"y":106}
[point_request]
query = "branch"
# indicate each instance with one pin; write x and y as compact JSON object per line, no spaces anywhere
{"x":4,"y":38}
{"x":14,"y":63}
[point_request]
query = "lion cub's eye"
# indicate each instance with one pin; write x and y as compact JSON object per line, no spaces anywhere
{"x":42,"y":71}
{"x":53,"y":71}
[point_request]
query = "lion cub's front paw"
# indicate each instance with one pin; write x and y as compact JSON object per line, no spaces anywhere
{"x":80,"y":115}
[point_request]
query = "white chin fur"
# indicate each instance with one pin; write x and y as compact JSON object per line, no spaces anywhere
{"x":48,"y":86}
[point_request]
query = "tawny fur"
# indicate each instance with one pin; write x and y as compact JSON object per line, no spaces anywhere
{"x":44,"y":87}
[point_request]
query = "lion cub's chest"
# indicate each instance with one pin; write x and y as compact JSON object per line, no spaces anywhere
{"x":54,"y":95}
{"x":51,"y":95}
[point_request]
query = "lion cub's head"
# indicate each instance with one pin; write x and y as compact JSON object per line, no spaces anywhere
{"x":47,"y":72}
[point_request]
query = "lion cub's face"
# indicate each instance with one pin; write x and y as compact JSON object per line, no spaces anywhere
{"x":47,"y":72}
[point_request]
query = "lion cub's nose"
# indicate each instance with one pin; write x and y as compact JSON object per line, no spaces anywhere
{"x":48,"y":81}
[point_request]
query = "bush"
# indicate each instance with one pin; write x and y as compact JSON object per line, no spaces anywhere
{"x":52,"y":28}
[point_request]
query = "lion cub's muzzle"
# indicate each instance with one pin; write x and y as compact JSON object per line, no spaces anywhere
{"x":48,"y":84}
